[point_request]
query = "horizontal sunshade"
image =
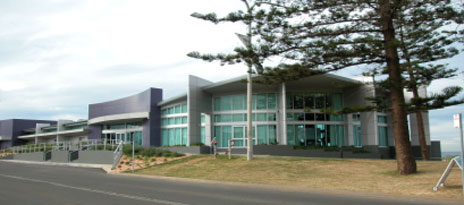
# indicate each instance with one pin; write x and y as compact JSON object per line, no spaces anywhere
{"x":119,"y":117}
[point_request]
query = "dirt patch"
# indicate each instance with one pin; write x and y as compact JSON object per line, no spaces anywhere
{"x":142,"y":162}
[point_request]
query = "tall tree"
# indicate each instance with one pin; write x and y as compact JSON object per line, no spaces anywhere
{"x":421,"y":43}
{"x":337,"y":34}
{"x":316,"y":36}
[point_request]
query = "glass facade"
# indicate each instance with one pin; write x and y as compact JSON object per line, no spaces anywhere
{"x":262,"y":134}
{"x":174,"y":136}
{"x":315,"y":135}
{"x":175,"y":109}
{"x":262,"y":101}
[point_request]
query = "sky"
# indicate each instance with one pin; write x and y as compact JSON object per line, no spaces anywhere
{"x":58,"y":56}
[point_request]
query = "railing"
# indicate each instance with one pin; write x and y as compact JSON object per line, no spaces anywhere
{"x":117,"y":154}
{"x":109,"y":145}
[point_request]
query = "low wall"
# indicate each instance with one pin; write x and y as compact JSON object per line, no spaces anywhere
{"x":189,"y":150}
{"x":33,"y":156}
{"x":7,"y":157}
{"x":284,"y":150}
{"x":95,"y":157}
{"x":60,"y":156}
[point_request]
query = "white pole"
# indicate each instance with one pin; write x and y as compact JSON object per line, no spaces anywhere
{"x":462,"y":151}
{"x":133,"y":158}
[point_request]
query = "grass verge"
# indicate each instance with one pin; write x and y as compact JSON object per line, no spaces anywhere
{"x":344,"y":174}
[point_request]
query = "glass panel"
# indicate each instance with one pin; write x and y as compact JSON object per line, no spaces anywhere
{"x":310,"y":135}
{"x":271,"y":101}
{"x":238,"y":102}
{"x":226,"y":136}
{"x":298,"y":102}
{"x":290,"y":116}
{"x":320,"y":117}
{"x":309,"y":101}
{"x":337,"y":101}
{"x":184,"y":108}
{"x":217,"y":104}
{"x":178,"y":120}
{"x":226,"y":103}
{"x":300,"y":134}
{"x":184,"y":120}
{"x":171,"y":121}
{"x":134,"y":125}
{"x":217,"y":134}
{"x":261,"y":117}
{"x":226,"y":118}
{"x":271,"y":117}
{"x":320,"y":135}
{"x":383,"y":137}
{"x":320,"y":101}
{"x":171,"y":137}
{"x":299,"y":116}
{"x":382,"y":119}
{"x":261,"y":102}
{"x":262,"y":134}
{"x":272,"y":134}
{"x":309,"y":116}
{"x":164,"y":137}
{"x":238,"y":134}
{"x":238,"y":117}
{"x":203,"y":135}
{"x":184,"y":136}
{"x":203,"y":119}
{"x":217,"y":118}
{"x":289,"y":101}
{"x":178,"y":136}
{"x":178,"y":109}
{"x":290,"y":134}
{"x":357,"y":135}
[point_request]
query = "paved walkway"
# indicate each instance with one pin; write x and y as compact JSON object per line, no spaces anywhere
{"x":105,"y":167}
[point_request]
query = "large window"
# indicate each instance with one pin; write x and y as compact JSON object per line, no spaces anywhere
{"x":175,"y":109}
{"x":263,"y":134}
{"x":357,"y":136}
{"x":314,"y":100}
{"x":383,"y":136}
{"x":319,"y":135}
{"x":262,"y":101}
{"x":174,"y":136}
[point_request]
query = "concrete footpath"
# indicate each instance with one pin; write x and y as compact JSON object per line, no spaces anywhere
{"x":104,"y":167}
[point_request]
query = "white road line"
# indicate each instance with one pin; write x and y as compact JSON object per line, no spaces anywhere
{"x":94,"y":190}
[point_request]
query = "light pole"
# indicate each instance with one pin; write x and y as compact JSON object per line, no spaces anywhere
{"x":246,"y":40}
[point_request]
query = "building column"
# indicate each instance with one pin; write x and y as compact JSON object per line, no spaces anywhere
{"x":284,"y":115}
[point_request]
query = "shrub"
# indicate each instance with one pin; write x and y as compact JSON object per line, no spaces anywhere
{"x":197,"y":144}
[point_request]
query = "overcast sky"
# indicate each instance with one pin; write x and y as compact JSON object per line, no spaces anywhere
{"x":58,"y":56}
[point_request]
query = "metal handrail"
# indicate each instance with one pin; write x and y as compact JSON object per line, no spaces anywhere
{"x":117,"y":154}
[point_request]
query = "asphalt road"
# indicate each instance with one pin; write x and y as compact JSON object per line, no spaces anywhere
{"x":41,"y":184}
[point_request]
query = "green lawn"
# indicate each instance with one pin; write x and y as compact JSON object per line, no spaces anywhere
{"x":343,"y":174}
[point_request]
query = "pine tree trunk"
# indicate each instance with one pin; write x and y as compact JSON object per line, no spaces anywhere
{"x":404,"y":157}
{"x":423,"y":143}
{"x":419,"y":119}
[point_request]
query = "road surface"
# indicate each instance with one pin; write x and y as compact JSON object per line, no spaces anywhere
{"x":42,"y":184}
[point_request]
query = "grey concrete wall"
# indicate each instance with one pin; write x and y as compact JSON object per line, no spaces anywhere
{"x":33,"y":156}
{"x":60,"y":156}
{"x":198,"y":102}
{"x":189,"y":150}
{"x":7,"y":157}
{"x":355,"y":96}
{"x":95,"y":157}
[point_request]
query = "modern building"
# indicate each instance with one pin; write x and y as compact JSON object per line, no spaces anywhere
{"x":284,"y":114}
{"x":10,"y":130}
